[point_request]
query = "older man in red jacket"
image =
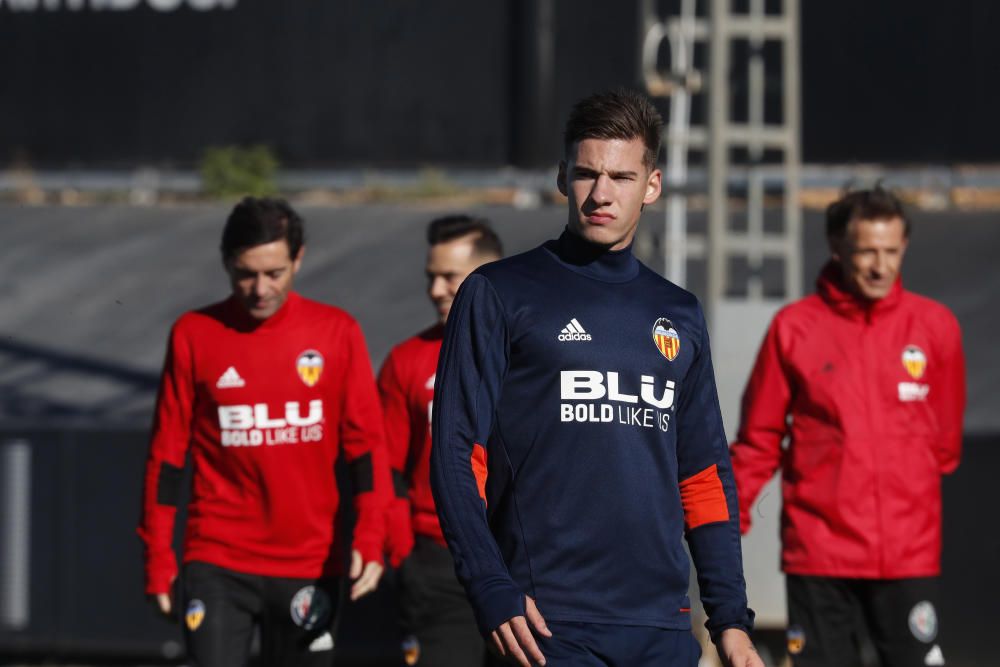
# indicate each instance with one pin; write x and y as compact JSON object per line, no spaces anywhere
{"x":866,"y":381}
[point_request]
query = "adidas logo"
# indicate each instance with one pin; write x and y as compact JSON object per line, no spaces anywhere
{"x":934,"y":656}
{"x":573,"y":331}
{"x":230,"y":379}
{"x":322,"y":643}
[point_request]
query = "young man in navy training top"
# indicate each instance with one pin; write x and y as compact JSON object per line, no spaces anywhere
{"x":577,"y":435}
{"x":438,"y":626}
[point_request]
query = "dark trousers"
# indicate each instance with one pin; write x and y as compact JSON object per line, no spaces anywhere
{"x":828,"y":616}
{"x":601,"y":645}
{"x":438,"y":625}
{"x":222,"y":607}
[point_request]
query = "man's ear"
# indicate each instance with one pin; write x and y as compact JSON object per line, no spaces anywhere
{"x":297,"y":262}
{"x":654,"y":185}
{"x":561,"y":178}
{"x":836,"y":247}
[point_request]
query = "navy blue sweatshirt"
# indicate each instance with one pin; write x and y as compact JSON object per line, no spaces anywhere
{"x":577,"y":438}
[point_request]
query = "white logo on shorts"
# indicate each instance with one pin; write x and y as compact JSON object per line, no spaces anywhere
{"x":322,"y":643}
{"x":923,"y":621}
{"x":311,"y":607}
{"x":934,"y":657}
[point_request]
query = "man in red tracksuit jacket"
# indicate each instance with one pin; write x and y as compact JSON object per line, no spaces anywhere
{"x":266,"y":390}
{"x":867,"y":382}
{"x":438,"y":624}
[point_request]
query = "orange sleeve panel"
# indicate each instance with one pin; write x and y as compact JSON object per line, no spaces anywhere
{"x":703,"y":499}
{"x":478,"y":461}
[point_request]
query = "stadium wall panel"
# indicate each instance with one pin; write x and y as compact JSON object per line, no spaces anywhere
{"x":386,"y":83}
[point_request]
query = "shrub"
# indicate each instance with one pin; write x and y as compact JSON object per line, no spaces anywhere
{"x":229,"y":171}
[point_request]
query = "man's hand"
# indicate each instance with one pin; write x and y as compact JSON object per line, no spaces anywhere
{"x":514,"y":639}
{"x":165,"y":601}
{"x":364,"y":575}
{"x":736,"y":649}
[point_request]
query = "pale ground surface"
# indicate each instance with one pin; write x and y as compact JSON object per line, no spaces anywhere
{"x":90,"y":292}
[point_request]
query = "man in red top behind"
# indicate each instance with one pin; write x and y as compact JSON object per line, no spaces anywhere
{"x":438,"y":623}
{"x":266,"y":390}
{"x":867,"y":382}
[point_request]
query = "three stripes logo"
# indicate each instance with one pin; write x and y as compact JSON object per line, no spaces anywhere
{"x":666,"y":338}
{"x":573,"y":331}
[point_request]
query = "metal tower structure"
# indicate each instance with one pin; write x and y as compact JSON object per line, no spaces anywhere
{"x":746,"y":152}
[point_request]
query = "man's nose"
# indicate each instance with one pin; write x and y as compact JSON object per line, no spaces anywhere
{"x":260,"y":286}
{"x":881,"y":263}
{"x":437,"y":287}
{"x":601,"y":192}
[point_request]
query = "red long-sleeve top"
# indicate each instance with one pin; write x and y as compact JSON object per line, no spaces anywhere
{"x":266,"y":410}
{"x":870,"y":397}
{"x":406,"y":385}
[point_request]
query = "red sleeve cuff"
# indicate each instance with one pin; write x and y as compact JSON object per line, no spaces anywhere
{"x":160,"y":579}
{"x":704,"y":499}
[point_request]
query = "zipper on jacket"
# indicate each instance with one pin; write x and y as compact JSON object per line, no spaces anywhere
{"x":872,"y":444}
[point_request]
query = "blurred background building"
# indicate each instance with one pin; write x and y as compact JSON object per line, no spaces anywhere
{"x":127,"y":128}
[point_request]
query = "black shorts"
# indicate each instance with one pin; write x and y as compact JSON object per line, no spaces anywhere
{"x":221,"y":608}
{"x":601,"y":645}
{"x":438,"y":625}
{"x":829,"y":617}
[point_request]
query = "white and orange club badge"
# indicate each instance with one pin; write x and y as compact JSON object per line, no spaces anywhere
{"x":195,"y":614}
{"x":914,"y":361}
{"x":309,"y":366}
{"x":796,"y":638}
{"x":411,"y":650}
{"x":666,"y":338}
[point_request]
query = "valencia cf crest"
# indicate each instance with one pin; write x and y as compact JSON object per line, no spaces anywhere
{"x":914,"y":361}
{"x":411,"y":650}
{"x":195,"y":614}
{"x":667,"y":340}
{"x":796,"y":639}
{"x":309,"y":366}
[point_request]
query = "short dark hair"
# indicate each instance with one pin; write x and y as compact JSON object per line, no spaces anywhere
{"x":451,"y":227}
{"x":617,"y":114}
{"x":877,"y":203}
{"x":256,"y":221}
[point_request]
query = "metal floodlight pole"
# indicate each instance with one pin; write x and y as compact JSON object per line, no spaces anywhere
{"x":682,"y":57}
{"x":793,"y":160}
{"x":718,"y":150}
{"x":533,"y":86}
{"x":755,"y":153}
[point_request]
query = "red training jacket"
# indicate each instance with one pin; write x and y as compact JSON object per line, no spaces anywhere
{"x":406,"y":384}
{"x":266,"y":409}
{"x":875,"y":395}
